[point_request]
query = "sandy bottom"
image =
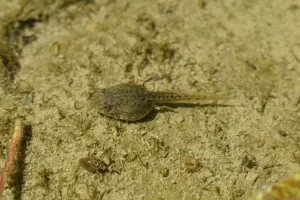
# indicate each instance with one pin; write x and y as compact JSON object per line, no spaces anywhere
{"x":246,"y":50}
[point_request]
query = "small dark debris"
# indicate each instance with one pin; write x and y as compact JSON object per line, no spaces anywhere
{"x":264,"y":98}
{"x":282,"y":133}
{"x":45,"y":175}
{"x":128,"y":67}
{"x":78,"y":105}
{"x":238,"y":193}
{"x":10,"y":64}
{"x":27,"y":39}
{"x":298,"y":101}
{"x":249,"y":161}
{"x":164,"y":171}
{"x":131,"y":157}
{"x":202,"y":4}
{"x":250,"y":65}
{"x":293,"y":7}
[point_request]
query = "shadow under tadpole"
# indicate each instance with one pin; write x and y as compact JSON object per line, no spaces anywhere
{"x":164,"y":108}
{"x":17,"y":176}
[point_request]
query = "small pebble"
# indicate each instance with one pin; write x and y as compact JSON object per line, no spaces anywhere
{"x":164,"y":171}
{"x":191,"y":164}
{"x":93,"y":164}
{"x":282,"y":133}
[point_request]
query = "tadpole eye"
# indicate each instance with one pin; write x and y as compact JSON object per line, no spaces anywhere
{"x":106,"y":107}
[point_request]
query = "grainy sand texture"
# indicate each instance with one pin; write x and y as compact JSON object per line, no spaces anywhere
{"x":54,"y":55}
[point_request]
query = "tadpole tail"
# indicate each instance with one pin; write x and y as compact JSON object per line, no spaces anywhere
{"x":193,"y":99}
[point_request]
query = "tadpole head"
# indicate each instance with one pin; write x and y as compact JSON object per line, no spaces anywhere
{"x":103,"y":101}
